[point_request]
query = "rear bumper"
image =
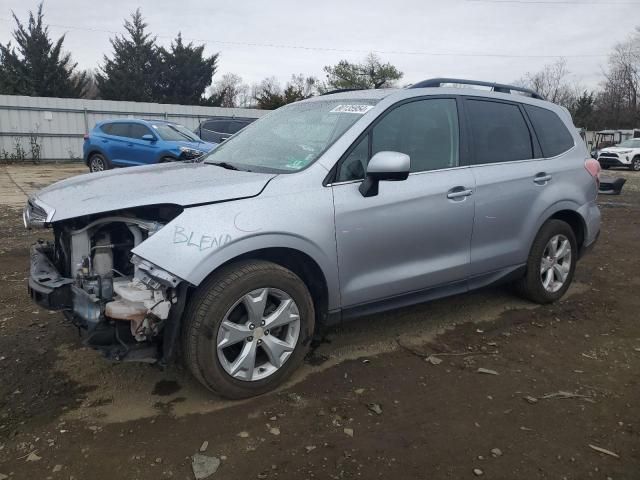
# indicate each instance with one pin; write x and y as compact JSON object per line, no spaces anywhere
{"x":47,"y":287}
{"x":587,"y":248}
{"x":591,"y":214}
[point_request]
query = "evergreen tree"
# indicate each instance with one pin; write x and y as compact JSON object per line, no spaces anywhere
{"x":583,"y":111}
{"x":38,"y":67}
{"x":133,"y":72}
{"x":185,"y":73}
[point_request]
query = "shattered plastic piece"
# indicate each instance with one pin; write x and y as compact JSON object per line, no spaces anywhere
{"x":33,"y":457}
{"x":204,"y":466}
{"x":433,"y":360}
{"x":487,"y":371}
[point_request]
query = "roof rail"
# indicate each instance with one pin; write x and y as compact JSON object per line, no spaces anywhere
{"x":495,"y":87}
{"x":340,"y":90}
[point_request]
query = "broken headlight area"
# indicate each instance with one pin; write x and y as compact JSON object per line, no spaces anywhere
{"x":121,"y":300}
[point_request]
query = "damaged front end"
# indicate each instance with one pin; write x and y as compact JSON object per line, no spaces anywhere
{"x":129,"y":307}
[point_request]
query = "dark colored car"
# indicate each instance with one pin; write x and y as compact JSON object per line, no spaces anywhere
{"x":218,"y":129}
{"x":123,"y":143}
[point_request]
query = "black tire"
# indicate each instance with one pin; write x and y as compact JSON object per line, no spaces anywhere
{"x":207,"y":309}
{"x":531,"y":286}
{"x":98,"y":163}
{"x":635,"y":164}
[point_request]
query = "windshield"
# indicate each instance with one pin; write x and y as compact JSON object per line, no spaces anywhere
{"x":292,"y":137}
{"x":633,"y":143}
{"x":174,"y":132}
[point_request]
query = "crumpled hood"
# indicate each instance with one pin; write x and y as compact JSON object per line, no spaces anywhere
{"x":167,"y":183}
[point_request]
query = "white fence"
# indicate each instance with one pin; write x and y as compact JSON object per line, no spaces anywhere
{"x":58,"y":124}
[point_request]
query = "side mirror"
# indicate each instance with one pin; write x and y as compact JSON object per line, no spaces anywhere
{"x":384,"y":166}
{"x":148,"y":137}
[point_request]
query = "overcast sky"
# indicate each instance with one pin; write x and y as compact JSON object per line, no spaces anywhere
{"x":495,"y":40}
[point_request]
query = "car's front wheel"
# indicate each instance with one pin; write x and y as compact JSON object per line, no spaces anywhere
{"x":635,"y":164}
{"x":247,"y":328}
{"x":551,"y":263}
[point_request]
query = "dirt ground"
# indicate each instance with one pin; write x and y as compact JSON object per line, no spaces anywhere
{"x":367,"y":404}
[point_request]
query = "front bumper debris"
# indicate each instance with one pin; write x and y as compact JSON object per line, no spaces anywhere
{"x":47,"y":287}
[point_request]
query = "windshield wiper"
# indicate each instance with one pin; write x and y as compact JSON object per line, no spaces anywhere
{"x":226,"y":165}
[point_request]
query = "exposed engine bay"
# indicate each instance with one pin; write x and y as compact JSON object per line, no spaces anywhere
{"x":89,"y":271}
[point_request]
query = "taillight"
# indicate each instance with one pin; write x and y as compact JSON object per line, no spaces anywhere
{"x":86,"y":136}
{"x":593,"y":167}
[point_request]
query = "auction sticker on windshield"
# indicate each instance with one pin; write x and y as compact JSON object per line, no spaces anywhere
{"x":359,"y":109}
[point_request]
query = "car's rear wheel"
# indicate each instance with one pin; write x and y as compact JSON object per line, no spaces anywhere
{"x":248,"y":328}
{"x":551,"y":263}
{"x":98,"y":163}
{"x":635,"y":164}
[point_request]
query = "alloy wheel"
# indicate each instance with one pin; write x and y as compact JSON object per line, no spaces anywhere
{"x":556,"y":263}
{"x":258,"y":334}
{"x":636,"y":165}
{"x":97,"y":164}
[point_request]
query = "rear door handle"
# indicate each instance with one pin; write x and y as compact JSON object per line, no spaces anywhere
{"x":542,"y":178}
{"x":459,"y":192}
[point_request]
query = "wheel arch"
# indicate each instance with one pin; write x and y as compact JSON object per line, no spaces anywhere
{"x":93,"y":151}
{"x":566,"y":211}
{"x":300,"y":263}
{"x":575,"y":221}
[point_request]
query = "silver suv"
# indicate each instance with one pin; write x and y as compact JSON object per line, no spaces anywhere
{"x":337,"y":206}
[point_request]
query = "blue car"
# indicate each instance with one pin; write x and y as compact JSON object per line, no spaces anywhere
{"x":124,"y":143}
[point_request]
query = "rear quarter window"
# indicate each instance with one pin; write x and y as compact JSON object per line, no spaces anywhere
{"x":551,"y":131}
{"x":106,"y":128}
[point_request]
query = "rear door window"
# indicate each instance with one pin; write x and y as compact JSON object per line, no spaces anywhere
{"x":499,"y":132}
{"x":551,"y":131}
{"x":120,"y":129}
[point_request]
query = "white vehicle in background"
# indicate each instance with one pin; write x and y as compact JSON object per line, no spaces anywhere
{"x":624,"y":154}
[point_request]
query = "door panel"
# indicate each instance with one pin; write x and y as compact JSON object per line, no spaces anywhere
{"x":505,"y":171}
{"x":407,"y":238}
{"x":141,"y":151}
{"x":505,"y":194}
{"x":118,"y":144}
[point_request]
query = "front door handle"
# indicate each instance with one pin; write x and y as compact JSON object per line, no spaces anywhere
{"x":459,"y":192}
{"x":542,"y":178}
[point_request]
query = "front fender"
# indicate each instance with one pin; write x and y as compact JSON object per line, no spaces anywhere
{"x":203,"y":238}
